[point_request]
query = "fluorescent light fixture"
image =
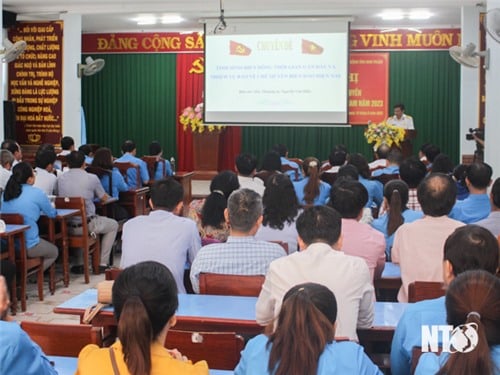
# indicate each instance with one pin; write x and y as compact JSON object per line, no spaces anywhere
{"x":391,"y":15}
{"x":171,"y":18}
{"x":419,"y":15}
{"x":145,"y":19}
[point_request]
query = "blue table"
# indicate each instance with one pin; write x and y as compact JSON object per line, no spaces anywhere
{"x":391,"y":270}
{"x":67,"y":366}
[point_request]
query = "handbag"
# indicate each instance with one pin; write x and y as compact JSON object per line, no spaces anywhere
{"x":104,"y":298}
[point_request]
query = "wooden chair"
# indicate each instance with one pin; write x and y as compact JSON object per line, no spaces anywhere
{"x":26,"y":266}
{"x":328,"y":177}
{"x":88,"y":243}
{"x":221,"y":350}
{"x":123,"y":167}
{"x":421,"y":290}
{"x":285,"y":168}
{"x":152,"y":162}
{"x":63,"y":339}
{"x":62,"y":160}
{"x":231,"y":285}
{"x":325,"y":165}
{"x":101,"y":172}
{"x":385,"y":178}
{"x":112,"y":273}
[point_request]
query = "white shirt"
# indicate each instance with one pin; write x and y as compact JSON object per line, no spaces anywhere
{"x":288,"y":234}
{"x":405,"y":122}
{"x":346,"y":276}
{"x":45,"y":180}
{"x":163,"y":237}
{"x":4,"y":177}
{"x":255,"y":184}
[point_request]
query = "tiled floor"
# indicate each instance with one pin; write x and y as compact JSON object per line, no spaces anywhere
{"x":42,"y":311}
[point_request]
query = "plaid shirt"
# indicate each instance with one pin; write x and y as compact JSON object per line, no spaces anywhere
{"x":413,"y":201}
{"x":238,"y":256}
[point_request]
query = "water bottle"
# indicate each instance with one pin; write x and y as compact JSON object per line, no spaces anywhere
{"x":172,"y":165}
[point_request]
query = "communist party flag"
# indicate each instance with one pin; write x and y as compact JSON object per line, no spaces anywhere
{"x":311,"y":47}
{"x":236,"y":48}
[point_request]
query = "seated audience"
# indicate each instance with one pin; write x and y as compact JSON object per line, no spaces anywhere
{"x":144,"y":300}
{"x":44,"y":171}
{"x":442,"y":164}
{"x":472,"y":298}
{"x":103,"y":158}
{"x":67,"y":145}
{"x":428,"y":153}
{"x":281,"y":209}
{"x":208,"y":213}
{"x":6,"y":161}
{"x":282,"y":150}
{"x":321,"y":261}
{"x":492,"y":222}
{"x":308,"y":312}
{"x":336,"y":159}
{"x":459,"y":174}
{"x":89,"y":154}
{"x":14,"y":148}
{"x":412,"y":171}
{"x":246,"y":165}
{"x":358,"y":239}
{"x":162,"y":166}
{"x":271,"y":165}
{"x":418,"y":246}
{"x":242,"y":254}
{"x":477,"y":205}
{"x":76,"y":182}
{"x":162,"y":236}
{"x":21,"y":197}
{"x":18,"y":354}
{"x":468,"y":248}
{"x":311,"y":190}
{"x":394,"y":159}
{"x":129,"y":151}
{"x":374,"y":188}
{"x":396,"y":212}
{"x":381,"y":155}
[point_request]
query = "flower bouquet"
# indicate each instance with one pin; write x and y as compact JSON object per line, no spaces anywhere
{"x":192,"y":118}
{"x":378,"y":134}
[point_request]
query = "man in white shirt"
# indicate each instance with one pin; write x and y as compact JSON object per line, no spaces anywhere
{"x":320,"y":261}
{"x":14,"y":148}
{"x":6,"y":160}
{"x":246,"y":165}
{"x":400,"y":118}
{"x":162,"y":236}
{"x":45,"y":178}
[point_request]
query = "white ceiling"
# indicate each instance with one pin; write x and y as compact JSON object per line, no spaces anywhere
{"x":118,"y":15}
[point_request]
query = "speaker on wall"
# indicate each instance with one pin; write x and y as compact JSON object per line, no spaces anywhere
{"x":9,"y":19}
{"x":9,"y":119}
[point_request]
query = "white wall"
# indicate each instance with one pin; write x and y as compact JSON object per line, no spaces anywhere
{"x":72,"y":86}
{"x":491,"y":154}
{"x":469,"y":81}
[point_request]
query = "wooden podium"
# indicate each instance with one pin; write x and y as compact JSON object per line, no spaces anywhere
{"x":407,"y":144}
{"x":206,"y":155}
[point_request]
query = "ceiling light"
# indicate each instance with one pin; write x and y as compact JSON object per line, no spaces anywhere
{"x":392,"y":15}
{"x":145,"y":19}
{"x":419,"y":15}
{"x":171,"y":18}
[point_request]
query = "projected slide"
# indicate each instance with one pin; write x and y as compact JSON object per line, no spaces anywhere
{"x":276,"y":78}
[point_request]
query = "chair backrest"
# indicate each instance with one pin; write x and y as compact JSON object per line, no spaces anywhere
{"x":63,"y":339}
{"x":62,"y":159}
{"x":112,"y":273}
{"x":152,"y":161}
{"x":101,"y":172}
{"x":221,"y":350}
{"x":74,"y":203}
{"x":421,"y":290}
{"x":385,"y":178}
{"x":328,"y":177}
{"x":123,"y":167}
{"x":287,"y":167}
{"x":16,"y":219}
{"x":231,"y":285}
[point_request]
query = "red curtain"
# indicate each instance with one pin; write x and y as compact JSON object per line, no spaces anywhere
{"x":190,"y":69}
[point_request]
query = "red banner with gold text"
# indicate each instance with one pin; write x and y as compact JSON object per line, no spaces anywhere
{"x":35,"y":82}
{"x":368,"y":87}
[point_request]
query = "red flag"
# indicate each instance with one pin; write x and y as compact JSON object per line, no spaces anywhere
{"x":236,"y":48}
{"x":311,"y":47}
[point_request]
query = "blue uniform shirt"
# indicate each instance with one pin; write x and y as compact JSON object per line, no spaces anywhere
{"x":143,"y":168}
{"x":375,"y":192}
{"x":341,"y":358}
{"x":20,"y":355}
{"x":118,"y":183}
{"x":30,"y":204}
{"x":391,"y":169}
{"x":409,"y":331}
{"x":159,"y":169}
{"x":321,"y":198}
{"x":293,"y":165}
{"x":472,"y":209}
